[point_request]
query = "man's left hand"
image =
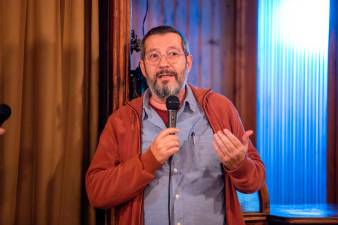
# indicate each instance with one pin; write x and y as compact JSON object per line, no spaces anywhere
{"x":230,"y":150}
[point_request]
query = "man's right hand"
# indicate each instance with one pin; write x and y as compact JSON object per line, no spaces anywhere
{"x":165,"y":144}
{"x":2,"y":131}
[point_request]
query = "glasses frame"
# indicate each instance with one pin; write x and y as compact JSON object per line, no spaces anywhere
{"x":170,"y":61}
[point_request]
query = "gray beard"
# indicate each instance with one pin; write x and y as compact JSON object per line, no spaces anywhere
{"x":165,"y":91}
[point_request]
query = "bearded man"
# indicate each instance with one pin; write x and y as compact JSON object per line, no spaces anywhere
{"x":188,"y":175}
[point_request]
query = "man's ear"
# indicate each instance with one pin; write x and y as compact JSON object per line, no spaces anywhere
{"x":143,"y":70}
{"x":189,"y":62}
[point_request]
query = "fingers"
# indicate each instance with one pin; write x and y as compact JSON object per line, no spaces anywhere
{"x":230,"y":150}
{"x":219,"y":152}
{"x":167,"y":137}
{"x":245,"y":137}
{"x":222,"y":143}
{"x":232,"y":138}
{"x":227,"y":139}
{"x":165,"y":144}
{"x":168,"y":131}
{"x":2,"y":131}
{"x":170,"y":142}
{"x":173,"y":150}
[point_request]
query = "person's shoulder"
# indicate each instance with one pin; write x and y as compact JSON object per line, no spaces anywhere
{"x":207,"y":95}
{"x":219,"y":98}
{"x":131,"y":108}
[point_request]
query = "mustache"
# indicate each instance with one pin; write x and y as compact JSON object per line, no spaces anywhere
{"x":166,"y":72}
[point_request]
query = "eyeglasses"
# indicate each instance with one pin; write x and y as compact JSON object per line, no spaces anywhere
{"x":172,"y":56}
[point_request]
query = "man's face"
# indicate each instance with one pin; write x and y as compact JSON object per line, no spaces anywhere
{"x":165,"y":65}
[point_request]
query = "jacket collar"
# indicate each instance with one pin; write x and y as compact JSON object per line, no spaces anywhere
{"x":199,"y":93}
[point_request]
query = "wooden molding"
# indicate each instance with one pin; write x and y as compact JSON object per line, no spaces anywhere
{"x":120,"y":49}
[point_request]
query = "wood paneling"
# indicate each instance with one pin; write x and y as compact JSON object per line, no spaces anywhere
{"x":203,"y":23}
{"x":222,"y":37}
{"x":120,"y":42}
{"x":245,"y":61}
{"x":119,"y":47}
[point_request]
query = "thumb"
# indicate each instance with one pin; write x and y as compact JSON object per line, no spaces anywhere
{"x":245,"y":137}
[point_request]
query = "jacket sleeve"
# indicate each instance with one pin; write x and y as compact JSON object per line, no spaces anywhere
{"x":249,"y":177}
{"x":111,"y":180}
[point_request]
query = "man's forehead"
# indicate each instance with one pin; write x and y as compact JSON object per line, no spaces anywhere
{"x":163,"y":41}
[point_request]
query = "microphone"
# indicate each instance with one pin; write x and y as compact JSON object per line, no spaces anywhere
{"x":172,"y":103}
{"x":5,"y":112}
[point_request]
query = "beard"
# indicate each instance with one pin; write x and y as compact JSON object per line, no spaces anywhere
{"x":164,"y":89}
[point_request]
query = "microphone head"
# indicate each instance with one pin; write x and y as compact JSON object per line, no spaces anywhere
{"x":172,"y":102}
{"x":5,"y":112}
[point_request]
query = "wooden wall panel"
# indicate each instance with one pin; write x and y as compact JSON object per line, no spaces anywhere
{"x":120,"y":42}
{"x":222,"y":37}
{"x":246,"y":60}
{"x":119,"y":47}
{"x":200,"y":21}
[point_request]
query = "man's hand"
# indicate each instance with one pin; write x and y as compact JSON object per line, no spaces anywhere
{"x":2,"y":131}
{"x":165,"y":144}
{"x":229,"y":149}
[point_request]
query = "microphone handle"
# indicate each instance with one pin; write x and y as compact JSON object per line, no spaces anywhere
{"x":171,"y":123}
{"x":172,"y":118}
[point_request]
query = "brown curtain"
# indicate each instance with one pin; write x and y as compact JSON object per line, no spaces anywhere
{"x":49,"y":76}
{"x":332,"y":161}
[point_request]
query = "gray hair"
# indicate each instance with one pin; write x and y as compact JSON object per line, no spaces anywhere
{"x":164,"y":30}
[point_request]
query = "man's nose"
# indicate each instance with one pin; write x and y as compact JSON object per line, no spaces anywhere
{"x":163,"y":61}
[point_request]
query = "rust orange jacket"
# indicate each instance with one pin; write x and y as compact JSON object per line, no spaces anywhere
{"x":119,"y":173}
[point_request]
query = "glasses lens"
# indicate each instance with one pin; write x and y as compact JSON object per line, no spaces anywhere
{"x":171,"y":56}
{"x":153,"y":57}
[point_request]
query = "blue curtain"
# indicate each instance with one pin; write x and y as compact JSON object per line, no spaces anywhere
{"x":292,"y":98}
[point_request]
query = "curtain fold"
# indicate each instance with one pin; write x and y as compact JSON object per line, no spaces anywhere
{"x":332,"y":150}
{"x":49,"y":76}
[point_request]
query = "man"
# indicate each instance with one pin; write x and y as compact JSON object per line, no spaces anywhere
{"x":211,"y":154}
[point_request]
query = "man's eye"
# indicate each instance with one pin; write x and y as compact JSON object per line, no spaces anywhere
{"x":153,"y":56}
{"x":172,"y":54}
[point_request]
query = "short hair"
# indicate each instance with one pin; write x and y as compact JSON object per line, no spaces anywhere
{"x":164,"y":29}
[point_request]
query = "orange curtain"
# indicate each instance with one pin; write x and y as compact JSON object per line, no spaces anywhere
{"x":332,"y":150}
{"x":49,"y":76}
